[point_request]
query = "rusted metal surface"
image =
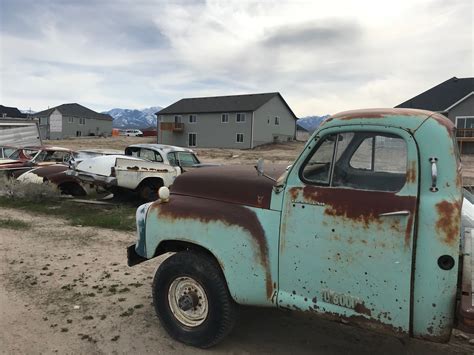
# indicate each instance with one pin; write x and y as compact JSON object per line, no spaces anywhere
{"x":378,"y":113}
{"x":185,"y":208}
{"x":234,"y":184}
{"x":137,"y":168}
{"x":449,"y":220}
{"x":346,"y":203}
{"x":411,"y":175}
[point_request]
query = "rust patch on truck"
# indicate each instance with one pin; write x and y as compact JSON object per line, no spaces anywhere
{"x":233,"y":184}
{"x":411,"y":173}
{"x":348,"y":204}
{"x":362,"y":309}
{"x":449,"y":219}
{"x":378,"y":113}
{"x":205,"y":211}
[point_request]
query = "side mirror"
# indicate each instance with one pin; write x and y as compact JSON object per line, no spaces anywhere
{"x":259,"y":167}
{"x":260,"y":170}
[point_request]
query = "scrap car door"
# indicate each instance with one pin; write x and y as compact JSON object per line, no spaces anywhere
{"x":346,"y":240}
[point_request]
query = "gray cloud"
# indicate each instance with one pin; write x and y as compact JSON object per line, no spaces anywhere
{"x":101,"y":23}
{"x":136,"y":53}
{"x":313,"y":35}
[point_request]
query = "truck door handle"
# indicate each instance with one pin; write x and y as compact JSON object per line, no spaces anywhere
{"x":396,"y":213}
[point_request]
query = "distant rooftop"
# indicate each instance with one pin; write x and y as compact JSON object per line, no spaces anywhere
{"x":442,"y":96}
{"x":12,"y":112}
{"x":232,"y":103}
{"x":74,"y":110}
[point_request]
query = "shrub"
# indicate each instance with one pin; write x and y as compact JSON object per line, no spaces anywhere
{"x":14,"y":189}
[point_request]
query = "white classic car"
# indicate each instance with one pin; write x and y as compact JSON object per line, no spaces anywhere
{"x":143,"y":169}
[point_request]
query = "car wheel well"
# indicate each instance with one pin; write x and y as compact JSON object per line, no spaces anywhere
{"x":150,"y":180}
{"x":72,"y":188}
{"x":176,"y":246}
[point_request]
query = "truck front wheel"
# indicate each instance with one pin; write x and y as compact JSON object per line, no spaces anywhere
{"x":192,"y":300}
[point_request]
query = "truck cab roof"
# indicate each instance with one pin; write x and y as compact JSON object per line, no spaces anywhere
{"x":405,"y":118}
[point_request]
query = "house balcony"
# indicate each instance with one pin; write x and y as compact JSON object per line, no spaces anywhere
{"x":463,"y":133}
{"x":172,"y":126}
{"x":464,"y":137}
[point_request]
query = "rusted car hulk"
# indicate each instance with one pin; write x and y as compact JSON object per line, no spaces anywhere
{"x":363,"y":227}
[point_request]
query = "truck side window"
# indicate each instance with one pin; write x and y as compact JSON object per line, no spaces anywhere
{"x":372,"y":162}
{"x":318,"y":168}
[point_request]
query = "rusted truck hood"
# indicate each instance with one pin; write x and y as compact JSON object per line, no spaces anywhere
{"x":237,"y":184}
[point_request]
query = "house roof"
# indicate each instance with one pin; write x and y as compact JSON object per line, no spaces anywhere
{"x":74,"y":110}
{"x":11,"y":112}
{"x":301,"y":128}
{"x":441,"y":97}
{"x":232,"y":103}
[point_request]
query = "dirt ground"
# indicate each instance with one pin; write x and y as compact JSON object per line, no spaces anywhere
{"x":67,"y":289}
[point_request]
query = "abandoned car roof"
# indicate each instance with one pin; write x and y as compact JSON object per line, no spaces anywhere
{"x":46,"y":147}
{"x":162,"y":147}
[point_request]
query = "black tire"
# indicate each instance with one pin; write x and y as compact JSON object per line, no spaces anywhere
{"x":222,"y":310}
{"x":72,"y":189}
{"x":148,"y":190}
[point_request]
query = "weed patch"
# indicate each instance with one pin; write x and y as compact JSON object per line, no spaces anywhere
{"x":12,"y":223}
{"x":117,"y":217}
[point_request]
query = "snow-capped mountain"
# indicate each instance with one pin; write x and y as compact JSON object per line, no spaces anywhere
{"x":30,"y":112}
{"x":126,"y":118}
{"x":310,"y":123}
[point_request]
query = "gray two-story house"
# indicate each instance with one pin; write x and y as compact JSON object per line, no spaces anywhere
{"x":72,"y":120}
{"x":454,"y":98}
{"x":237,"y":121}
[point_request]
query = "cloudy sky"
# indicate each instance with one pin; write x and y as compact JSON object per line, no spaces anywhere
{"x":322,"y":56}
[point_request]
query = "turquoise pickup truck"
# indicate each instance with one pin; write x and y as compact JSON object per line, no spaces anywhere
{"x":364,"y":227}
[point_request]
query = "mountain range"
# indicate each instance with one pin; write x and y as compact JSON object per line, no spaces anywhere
{"x":127,"y":118}
{"x":311,"y":123}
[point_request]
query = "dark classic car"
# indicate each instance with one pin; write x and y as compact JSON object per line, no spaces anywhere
{"x":56,"y":173}
{"x":26,"y":158}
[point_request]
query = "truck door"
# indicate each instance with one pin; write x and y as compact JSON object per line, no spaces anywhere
{"x":346,"y":241}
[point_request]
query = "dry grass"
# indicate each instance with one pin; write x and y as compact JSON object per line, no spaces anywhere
{"x":15,"y":190}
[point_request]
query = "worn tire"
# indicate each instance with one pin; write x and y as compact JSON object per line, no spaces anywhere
{"x":148,"y":190}
{"x":222,"y":310}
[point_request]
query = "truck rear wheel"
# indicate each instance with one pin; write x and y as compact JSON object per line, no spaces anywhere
{"x":192,"y":300}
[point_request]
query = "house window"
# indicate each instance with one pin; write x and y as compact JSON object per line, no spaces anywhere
{"x":277,"y":120}
{"x":82,"y":121}
{"x":78,"y":133}
{"x":240,"y":138}
{"x":70,"y":119}
{"x":192,"y":139}
{"x":225,"y":118}
{"x":465,"y":126}
{"x":177,"y":119}
{"x":192,"y":119}
{"x":43,"y":120}
{"x":240,"y":117}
